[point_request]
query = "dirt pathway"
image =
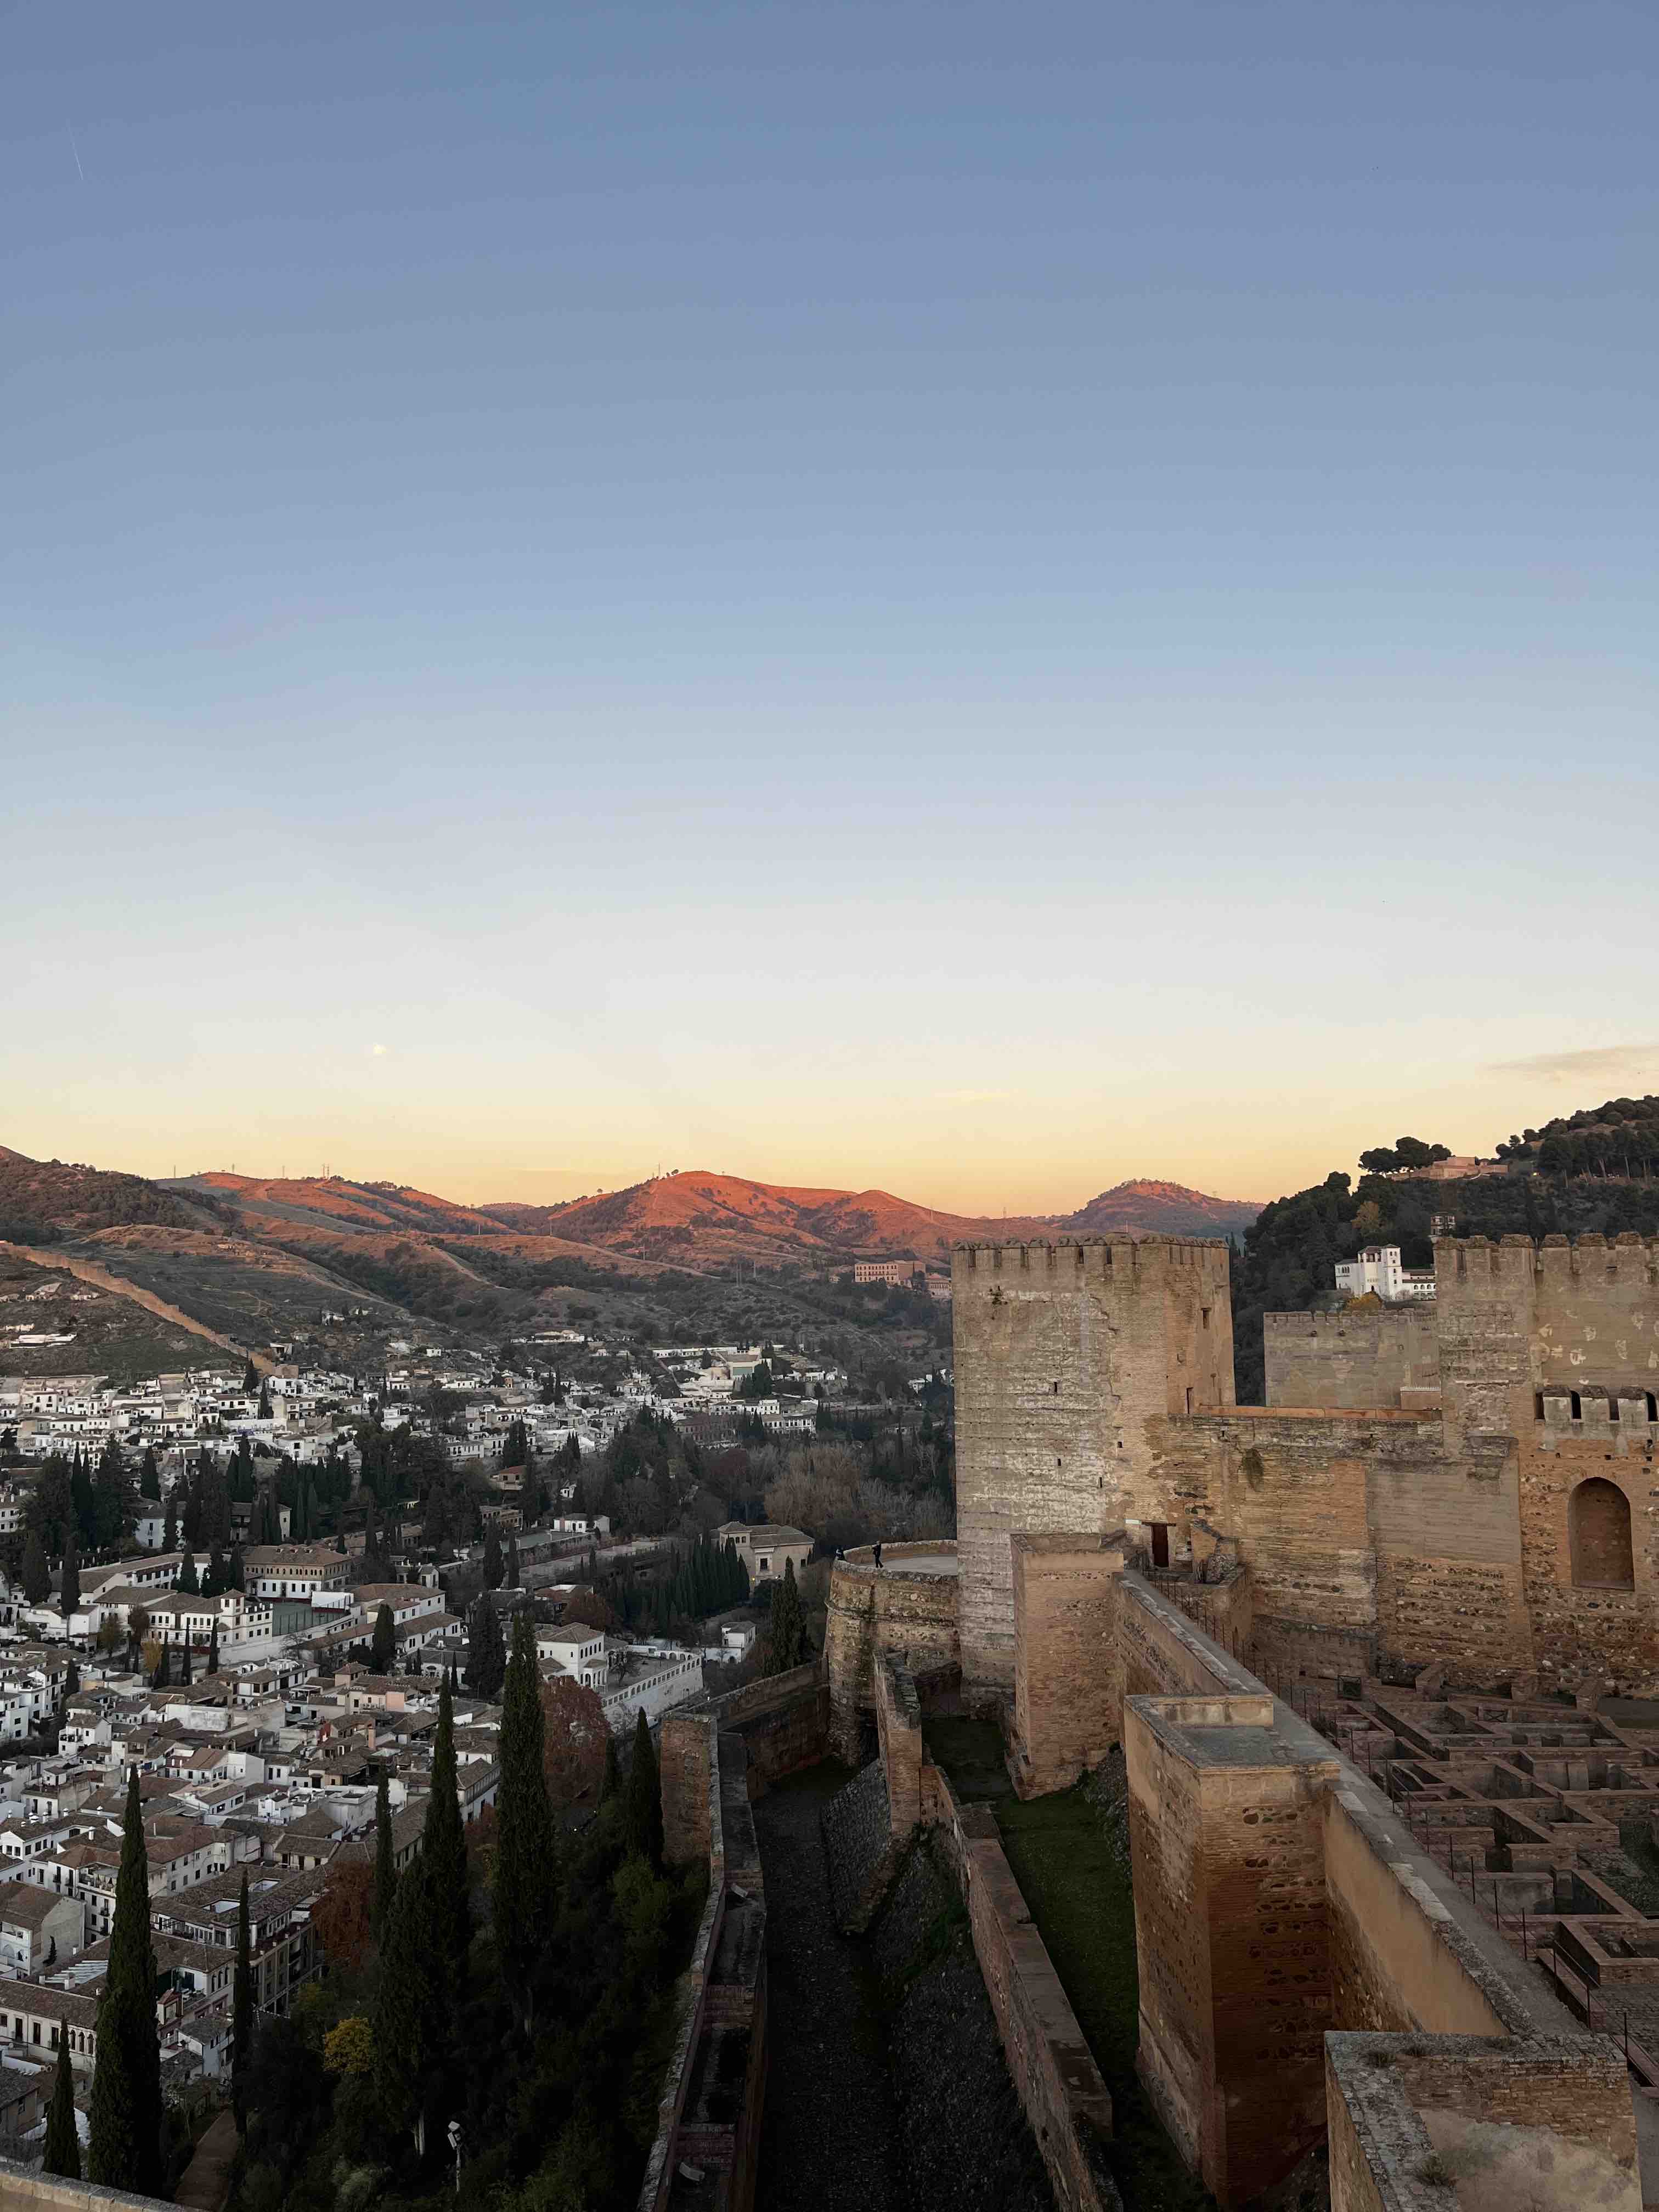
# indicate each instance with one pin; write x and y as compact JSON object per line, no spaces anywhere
{"x":828,"y":2132}
{"x":101,"y":1278}
{"x":206,"y":2182}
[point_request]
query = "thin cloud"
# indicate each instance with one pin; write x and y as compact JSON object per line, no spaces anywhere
{"x":1600,"y":1064}
{"x":972,"y":1098}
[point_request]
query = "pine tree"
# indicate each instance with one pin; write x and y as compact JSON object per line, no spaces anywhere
{"x":408,"y":2015}
{"x":37,"y":1574}
{"x":241,"y":2012}
{"x":69,"y":1594}
{"x":644,"y":1797}
{"x":383,"y":1648}
{"x":486,"y":1663}
{"x":188,"y":1585}
{"x":124,"y":2151}
{"x":524,"y":1891}
{"x":62,"y":2143}
{"x":443,"y":1848}
{"x":386,"y":1864}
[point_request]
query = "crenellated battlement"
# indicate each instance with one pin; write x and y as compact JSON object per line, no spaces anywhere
{"x":1120,"y":1259}
{"x":1555,"y":1258}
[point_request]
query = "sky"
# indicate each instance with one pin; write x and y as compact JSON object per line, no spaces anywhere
{"x":972,"y":599}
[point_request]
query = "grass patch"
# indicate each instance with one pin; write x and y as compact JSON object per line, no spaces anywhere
{"x":1077,"y":1889}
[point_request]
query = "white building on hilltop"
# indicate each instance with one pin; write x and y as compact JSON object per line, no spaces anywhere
{"x":1377,"y":1270}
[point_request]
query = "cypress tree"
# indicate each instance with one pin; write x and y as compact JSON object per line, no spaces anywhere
{"x":443,"y":1848}
{"x":789,"y":1645}
{"x":183,"y":1655}
{"x":486,"y":1662}
{"x":69,"y":1595}
{"x":644,"y":1797}
{"x":241,"y":2012}
{"x":612,"y":1782}
{"x":524,"y":1849}
{"x":170,"y":1525}
{"x":213,"y":1651}
{"x":124,"y":2150}
{"x":188,"y":1584}
{"x":493,"y":1567}
{"x":386,"y":1864}
{"x":150,"y":1475}
{"x":37,"y":1574}
{"x":383,"y":1648}
{"x":62,"y":2143}
{"x":408,"y":2015}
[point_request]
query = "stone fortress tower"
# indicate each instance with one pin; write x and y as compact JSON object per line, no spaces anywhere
{"x":1068,"y":1355}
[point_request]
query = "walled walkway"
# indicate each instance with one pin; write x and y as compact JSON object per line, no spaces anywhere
{"x":206,"y":2182}
{"x":828,"y":2133}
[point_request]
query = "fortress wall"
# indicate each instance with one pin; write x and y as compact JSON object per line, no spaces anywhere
{"x":1226,"y":1835}
{"x":1067,"y":1700}
{"x":783,"y":1721}
{"x":1067,"y":2102}
{"x":1587,"y":1636}
{"x":1516,"y":1316}
{"x":1366,"y":1358}
{"x":1064,"y":1353}
{"x":870,"y":1613}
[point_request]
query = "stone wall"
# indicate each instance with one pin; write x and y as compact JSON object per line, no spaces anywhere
{"x":1545,"y":2125}
{"x":1064,"y":1353}
{"x":1067,"y":1701}
{"x":873,"y":1611}
{"x":709,"y":2111}
{"x":1230,"y":1932}
{"x":1376,"y":1356}
{"x":686,"y":1766}
{"x":49,"y":2192}
{"x":1060,"y":2086}
{"x":783,"y":1721}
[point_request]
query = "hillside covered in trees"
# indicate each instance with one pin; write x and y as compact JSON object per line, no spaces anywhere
{"x":1593,"y":1171}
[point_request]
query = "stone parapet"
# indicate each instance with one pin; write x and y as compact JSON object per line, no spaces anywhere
{"x":906,"y":1610}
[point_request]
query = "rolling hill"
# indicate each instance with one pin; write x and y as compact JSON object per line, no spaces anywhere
{"x":701,"y":1219}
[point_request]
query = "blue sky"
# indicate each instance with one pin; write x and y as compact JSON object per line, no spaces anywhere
{"x":968,"y":599}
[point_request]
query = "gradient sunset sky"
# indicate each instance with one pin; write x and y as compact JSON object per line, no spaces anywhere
{"x":974,"y":598}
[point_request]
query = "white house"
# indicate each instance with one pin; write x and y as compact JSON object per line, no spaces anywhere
{"x":1377,"y":1270}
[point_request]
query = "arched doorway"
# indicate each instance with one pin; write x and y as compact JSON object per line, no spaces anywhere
{"x":1599,"y":1523}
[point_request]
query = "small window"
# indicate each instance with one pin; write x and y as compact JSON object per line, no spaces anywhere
{"x":1204,"y":1315}
{"x":1538,"y":1405}
{"x":1577,"y":1406}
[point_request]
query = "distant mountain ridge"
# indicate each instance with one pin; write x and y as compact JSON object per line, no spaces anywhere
{"x":697,"y":1219}
{"x":718,"y":1216}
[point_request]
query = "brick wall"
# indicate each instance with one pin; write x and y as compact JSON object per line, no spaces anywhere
{"x":783,"y":1721}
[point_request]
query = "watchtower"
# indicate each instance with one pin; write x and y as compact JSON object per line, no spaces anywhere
{"x":1068,"y":1354}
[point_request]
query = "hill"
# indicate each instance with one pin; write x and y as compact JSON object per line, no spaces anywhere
{"x":1593,"y":1172}
{"x":40,"y":1200}
{"x":701,"y":1219}
{"x":1160,"y":1209}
